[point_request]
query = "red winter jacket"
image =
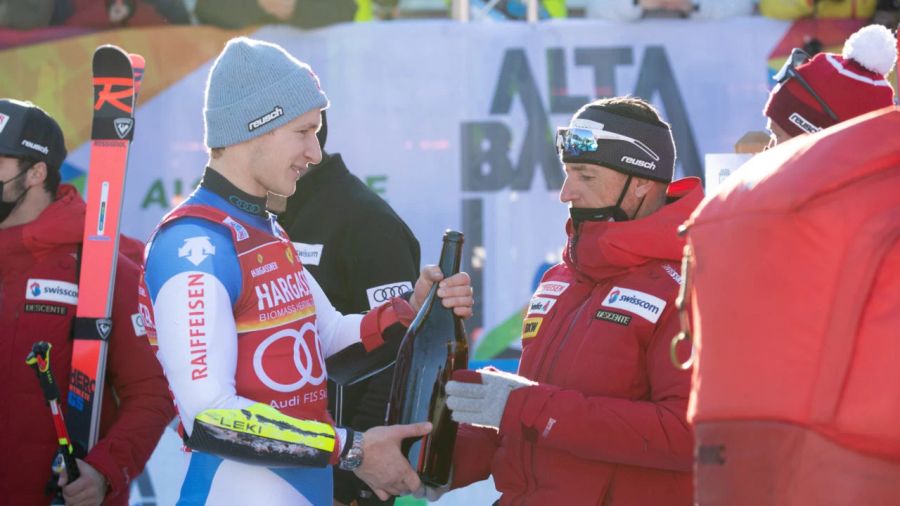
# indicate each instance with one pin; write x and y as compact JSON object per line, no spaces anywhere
{"x":606,"y":424}
{"x":136,"y":404}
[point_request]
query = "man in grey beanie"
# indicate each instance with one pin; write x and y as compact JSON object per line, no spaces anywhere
{"x":242,"y":330}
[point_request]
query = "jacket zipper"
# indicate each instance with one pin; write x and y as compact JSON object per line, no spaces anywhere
{"x":562,"y":344}
{"x":538,"y":376}
{"x":529,"y":447}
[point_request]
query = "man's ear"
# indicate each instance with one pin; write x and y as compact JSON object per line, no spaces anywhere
{"x":37,"y":174}
{"x":642,"y":187}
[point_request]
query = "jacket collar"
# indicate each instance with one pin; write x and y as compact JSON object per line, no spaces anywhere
{"x":60,"y":224}
{"x":603,"y":249}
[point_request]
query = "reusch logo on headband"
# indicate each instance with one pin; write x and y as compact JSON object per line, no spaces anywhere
{"x":639,"y":163}
{"x":4,"y":119}
{"x":276,"y":113}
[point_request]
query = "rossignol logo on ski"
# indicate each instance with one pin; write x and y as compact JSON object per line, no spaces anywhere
{"x":276,"y":113}
{"x":104,"y":326}
{"x":106,"y":95}
{"x":123,"y":126}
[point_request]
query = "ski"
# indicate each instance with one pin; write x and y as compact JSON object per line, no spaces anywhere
{"x":116,"y":80}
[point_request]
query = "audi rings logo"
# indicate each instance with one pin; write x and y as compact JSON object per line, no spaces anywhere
{"x":384,"y":294}
{"x":244,"y":205}
{"x":378,"y":295}
{"x":305,"y":361}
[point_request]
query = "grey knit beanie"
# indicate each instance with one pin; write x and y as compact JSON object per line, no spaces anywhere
{"x":255,"y":87}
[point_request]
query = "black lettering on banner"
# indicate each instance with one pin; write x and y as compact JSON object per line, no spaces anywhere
{"x":604,"y":61}
{"x":612,"y":316}
{"x":656,"y":76}
{"x":538,"y":146}
{"x":560,"y":100}
{"x":46,"y":308}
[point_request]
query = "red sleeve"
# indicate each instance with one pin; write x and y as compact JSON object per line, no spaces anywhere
{"x":473,"y":453}
{"x":136,"y":378}
{"x":131,"y":249}
{"x":647,"y":433}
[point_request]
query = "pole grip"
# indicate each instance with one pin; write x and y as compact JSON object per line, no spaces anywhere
{"x":39,"y":360}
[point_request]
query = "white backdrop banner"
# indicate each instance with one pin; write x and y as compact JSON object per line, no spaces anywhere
{"x":453,"y":124}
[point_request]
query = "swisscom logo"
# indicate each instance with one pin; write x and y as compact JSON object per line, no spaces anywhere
{"x":642,"y":304}
{"x":53,"y":290}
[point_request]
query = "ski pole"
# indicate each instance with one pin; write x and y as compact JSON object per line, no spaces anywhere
{"x":39,"y":360}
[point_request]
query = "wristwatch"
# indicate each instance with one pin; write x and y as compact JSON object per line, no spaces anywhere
{"x":353,"y":453}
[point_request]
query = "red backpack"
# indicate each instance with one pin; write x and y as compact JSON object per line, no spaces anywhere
{"x":793,"y":279}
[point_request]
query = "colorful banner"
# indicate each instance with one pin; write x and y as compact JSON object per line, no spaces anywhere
{"x":452,"y":124}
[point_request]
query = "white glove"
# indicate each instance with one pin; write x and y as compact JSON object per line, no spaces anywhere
{"x":479,"y":397}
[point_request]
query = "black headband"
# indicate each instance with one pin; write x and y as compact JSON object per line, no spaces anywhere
{"x":632,"y":146}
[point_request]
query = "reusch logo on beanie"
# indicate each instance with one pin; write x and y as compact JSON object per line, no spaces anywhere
{"x":255,"y":87}
{"x":851,"y":83}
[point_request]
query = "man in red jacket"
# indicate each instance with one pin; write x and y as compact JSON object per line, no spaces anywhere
{"x":597,"y":412}
{"x":41,"y":224}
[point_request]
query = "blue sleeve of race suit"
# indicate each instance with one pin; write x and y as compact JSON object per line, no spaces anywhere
{"x":193,"y":244}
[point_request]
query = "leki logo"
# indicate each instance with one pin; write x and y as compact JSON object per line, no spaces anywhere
{"x":105,"y":93}
{"x":614,"y":296}
{"x":35,"y":289}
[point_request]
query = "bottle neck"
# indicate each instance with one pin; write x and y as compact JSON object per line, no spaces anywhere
{"x":451,"y":254}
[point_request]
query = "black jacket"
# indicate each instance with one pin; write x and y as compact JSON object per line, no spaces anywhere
{"x":361,"y":253}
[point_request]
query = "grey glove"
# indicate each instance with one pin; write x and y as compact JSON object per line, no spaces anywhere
{"x":479,"y":397}
{"x":430,"y":494}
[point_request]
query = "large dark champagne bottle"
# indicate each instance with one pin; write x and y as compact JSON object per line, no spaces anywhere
{"x":434,"y":346}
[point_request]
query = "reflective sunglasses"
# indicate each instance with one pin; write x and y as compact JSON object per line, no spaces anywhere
{"x":578,"y":141}
{"x":789,"y":70}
